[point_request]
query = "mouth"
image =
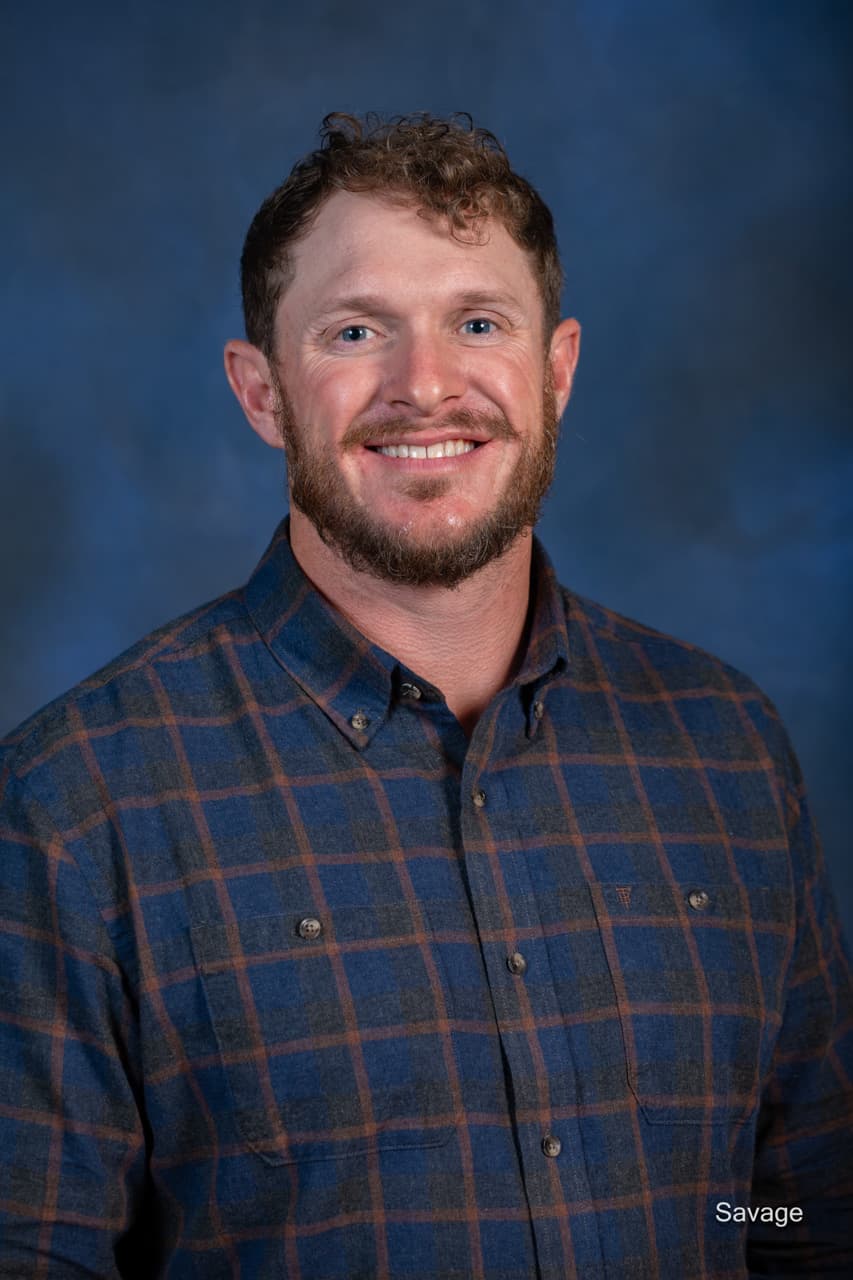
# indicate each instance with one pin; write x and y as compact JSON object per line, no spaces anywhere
{"x":452,"y":448}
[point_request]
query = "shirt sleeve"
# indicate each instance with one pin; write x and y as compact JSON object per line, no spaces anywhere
{"x":72,"y":1168}
{"x":804,"y":1147}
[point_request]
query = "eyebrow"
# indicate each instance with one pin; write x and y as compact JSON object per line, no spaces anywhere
{"x":376,"y":305}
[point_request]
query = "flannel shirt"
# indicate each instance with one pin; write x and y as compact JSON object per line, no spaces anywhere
{"x":297,"y":981}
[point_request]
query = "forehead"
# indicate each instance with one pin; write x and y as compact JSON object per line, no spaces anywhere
{"x":363,"y":242}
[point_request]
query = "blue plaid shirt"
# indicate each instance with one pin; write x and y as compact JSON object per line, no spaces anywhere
{"x":297,"y":981}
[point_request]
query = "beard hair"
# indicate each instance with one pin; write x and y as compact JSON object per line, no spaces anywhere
{"x":318,"y":490}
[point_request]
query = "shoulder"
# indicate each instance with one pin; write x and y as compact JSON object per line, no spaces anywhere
{"x":126,"y":686}
{"x":602,"y":633}
{"x":641,"y":663}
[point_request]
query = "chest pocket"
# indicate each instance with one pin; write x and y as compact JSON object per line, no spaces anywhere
{"x":331,"y":1033}
{"x":697,"y":973}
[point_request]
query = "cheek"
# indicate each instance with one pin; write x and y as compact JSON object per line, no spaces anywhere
{"x":514,"y":378}
{"x":334,"y":394}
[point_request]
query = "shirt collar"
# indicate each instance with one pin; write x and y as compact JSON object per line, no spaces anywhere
{"x":352,"y":680}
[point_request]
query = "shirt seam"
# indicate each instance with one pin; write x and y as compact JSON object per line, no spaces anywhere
{"x":26,"y":790}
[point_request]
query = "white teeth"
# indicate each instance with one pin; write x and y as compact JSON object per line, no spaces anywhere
{"x":446,"y":449}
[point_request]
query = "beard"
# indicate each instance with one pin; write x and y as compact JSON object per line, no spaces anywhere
{"x":319,"y":491}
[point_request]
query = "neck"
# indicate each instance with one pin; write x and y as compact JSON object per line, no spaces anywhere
{"x":468,"y":642}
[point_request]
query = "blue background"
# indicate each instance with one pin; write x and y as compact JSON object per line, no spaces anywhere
{"x":696,"y":161}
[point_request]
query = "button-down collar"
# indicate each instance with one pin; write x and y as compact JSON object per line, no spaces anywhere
{"x":353,"y":680}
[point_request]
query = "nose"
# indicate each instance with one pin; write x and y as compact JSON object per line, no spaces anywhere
{"x":424,"y":372}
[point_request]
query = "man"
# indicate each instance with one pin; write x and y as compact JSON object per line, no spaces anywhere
{"x":403,"y":914}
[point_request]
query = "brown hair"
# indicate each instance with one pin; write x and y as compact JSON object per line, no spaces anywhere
{"x":440,"y":166}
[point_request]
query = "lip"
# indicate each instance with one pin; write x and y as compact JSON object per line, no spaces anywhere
{"x":429,"y":438}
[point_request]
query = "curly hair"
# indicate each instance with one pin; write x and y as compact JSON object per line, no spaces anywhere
{"x":443,"y":167}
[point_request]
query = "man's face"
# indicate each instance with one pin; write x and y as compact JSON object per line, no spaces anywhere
{"x":391,"y":334}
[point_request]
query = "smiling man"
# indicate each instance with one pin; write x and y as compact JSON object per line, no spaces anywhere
{"x":403,"y":914}
{"x":415,"y":383}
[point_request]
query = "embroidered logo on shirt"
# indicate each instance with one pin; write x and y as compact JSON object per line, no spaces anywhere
{"x":623,"y":893}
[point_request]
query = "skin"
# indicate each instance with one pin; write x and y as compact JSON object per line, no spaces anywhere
{"x":423,"y":366}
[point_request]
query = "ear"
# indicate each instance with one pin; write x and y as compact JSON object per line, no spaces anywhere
{"x":248,"y":372}
{"x":563,"y":353}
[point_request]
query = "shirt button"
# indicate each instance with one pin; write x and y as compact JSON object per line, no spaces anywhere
{"x":410,"y":690}
{"x":539,"y":710}
{"x":698,"y":899}
{"x":359,"y":721}
{"x":516,"y":963}
{"x":551,"y":1146}
{"x":479,"y":798}
{"x":309,"y":928}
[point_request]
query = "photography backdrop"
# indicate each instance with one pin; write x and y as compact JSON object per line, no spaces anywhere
{"x":696,"y":158}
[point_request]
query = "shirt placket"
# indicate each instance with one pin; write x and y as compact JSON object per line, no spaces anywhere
{"x":526,"y":1005}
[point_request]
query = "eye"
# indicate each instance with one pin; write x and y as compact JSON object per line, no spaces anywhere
{"x":480,"y":332}
{"x":353,"y":333}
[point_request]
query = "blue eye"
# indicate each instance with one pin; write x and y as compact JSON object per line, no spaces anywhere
{"x":353,"y":328}
{"x":481,"y":320}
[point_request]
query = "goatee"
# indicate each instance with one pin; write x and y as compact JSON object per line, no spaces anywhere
{"x":319,"y":491}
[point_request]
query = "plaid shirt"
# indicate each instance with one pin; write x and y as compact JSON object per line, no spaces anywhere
{"x":296,"y":981}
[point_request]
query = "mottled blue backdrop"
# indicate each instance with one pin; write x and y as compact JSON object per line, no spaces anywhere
{"x":696,"y":159}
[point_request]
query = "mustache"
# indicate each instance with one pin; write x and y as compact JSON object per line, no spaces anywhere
{"x":494,"y":425}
